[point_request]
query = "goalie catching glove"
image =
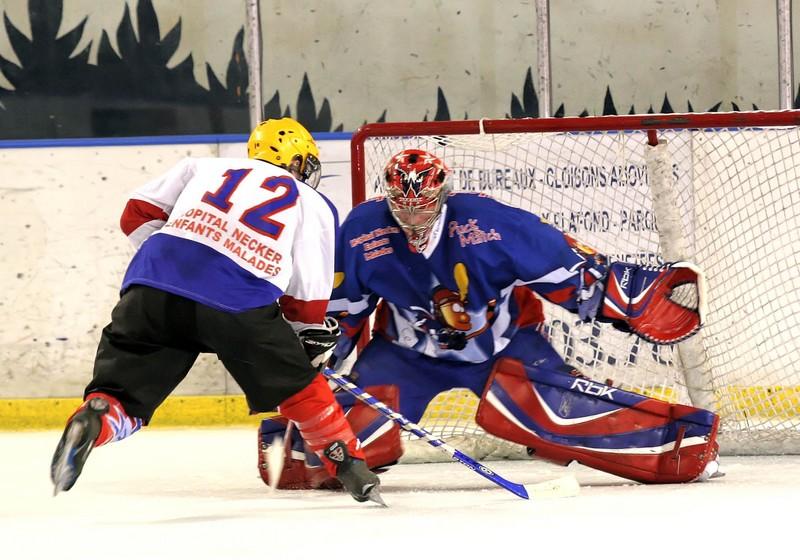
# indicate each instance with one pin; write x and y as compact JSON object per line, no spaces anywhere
{"x":318,"y":341}
{"x":662,"y":304}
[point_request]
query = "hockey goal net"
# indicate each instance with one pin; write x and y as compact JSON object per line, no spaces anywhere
{"x":721,"y":190}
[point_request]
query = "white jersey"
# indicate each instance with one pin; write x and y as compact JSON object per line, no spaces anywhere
{"x":234,"y":234}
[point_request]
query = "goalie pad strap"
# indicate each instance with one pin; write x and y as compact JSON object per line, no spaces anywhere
{"x":564,"y":418}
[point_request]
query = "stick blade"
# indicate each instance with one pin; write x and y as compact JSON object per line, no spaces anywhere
{"x":563,"y":487}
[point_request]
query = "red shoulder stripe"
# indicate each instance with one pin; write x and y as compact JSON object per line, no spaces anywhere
{"x":138,"y":212}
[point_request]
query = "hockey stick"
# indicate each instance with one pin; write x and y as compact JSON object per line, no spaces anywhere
{"x":564,"y":487}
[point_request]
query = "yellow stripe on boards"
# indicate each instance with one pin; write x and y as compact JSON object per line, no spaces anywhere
{"x":774,"y":402}
{"x":736,"y":402}
{"x":51,"y":413}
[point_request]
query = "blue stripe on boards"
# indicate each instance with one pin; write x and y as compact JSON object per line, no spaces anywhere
{"x":150,"y":140}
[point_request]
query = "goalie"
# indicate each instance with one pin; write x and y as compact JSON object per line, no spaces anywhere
{"x":452,"y":278}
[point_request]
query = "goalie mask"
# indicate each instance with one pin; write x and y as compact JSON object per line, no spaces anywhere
{"x":415,"y":184}
{"x":286,"y":143}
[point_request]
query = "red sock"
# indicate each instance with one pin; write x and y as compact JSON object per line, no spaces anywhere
{"x":320,"y":420}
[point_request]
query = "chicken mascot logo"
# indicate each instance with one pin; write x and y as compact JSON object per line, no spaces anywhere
{"x":450,"y":310}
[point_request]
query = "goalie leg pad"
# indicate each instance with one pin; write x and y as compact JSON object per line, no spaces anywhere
{"x":565,"y":418}
{"x":379,"y":438}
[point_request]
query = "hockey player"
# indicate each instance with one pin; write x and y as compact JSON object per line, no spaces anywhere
{"x":453,"y":276}
{"x":235,"y":256}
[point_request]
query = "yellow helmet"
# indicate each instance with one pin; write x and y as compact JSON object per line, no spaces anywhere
{"x":286,"y":143}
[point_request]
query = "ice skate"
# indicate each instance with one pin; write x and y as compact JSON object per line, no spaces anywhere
{"x":357,"y":479}
{"x":76,"y":444}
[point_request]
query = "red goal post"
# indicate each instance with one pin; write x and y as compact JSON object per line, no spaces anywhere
{"x":721,"y":190}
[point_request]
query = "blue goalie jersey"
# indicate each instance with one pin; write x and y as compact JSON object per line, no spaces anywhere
{"x":465,"y":296}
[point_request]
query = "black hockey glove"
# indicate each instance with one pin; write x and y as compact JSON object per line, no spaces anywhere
{"x":319,"y":340}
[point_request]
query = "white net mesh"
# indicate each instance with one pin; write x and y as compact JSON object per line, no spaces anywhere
{"x":734,"y":197}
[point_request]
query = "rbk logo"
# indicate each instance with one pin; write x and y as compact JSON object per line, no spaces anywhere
{"x":592,"y":388}
{"x":626,"y":277}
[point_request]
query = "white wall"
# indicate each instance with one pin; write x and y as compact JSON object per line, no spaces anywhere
{"x":365,"y":57}
{"x":63,"y":256}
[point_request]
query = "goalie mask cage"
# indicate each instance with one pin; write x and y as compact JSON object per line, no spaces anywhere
{"x":719,"y":189}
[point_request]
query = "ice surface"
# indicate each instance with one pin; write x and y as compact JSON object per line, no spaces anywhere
{"x":196,"y":495}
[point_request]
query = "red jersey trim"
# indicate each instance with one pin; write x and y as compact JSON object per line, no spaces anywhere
{"x":137,"y":213}
{"x":311,"y":312}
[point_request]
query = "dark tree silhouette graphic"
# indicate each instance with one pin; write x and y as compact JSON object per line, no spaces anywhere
{"x":608,"y":103}
{"x":307,"y":110}
{"x":59,"y":94}
{"x":666,"y":107}
{"x":272,"y":108}
{"x":529,"y":107}
{"x":228,"y":110}
{"x":442,"y":110}
{"x":56,"y":93}
{"x":49,"y":78}
{"x":140,"y":70}
{"x":236,"y":79}
{"x":46,"y":62}
{"x":138,"y":92}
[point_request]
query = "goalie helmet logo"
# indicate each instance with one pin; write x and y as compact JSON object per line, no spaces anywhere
{"x":415,"y":185}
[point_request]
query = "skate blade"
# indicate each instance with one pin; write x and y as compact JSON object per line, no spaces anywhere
{"x":374,"y":495}
{"x":63,"y":471}
{"x":563,"y":487}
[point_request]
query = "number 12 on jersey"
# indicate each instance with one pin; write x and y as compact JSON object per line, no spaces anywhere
{"x":258,"y":217}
